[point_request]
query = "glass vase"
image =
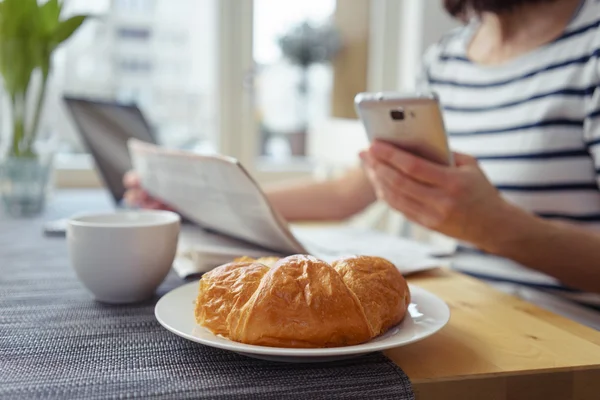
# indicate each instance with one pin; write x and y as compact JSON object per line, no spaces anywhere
{"x":24,"y":184}
{"x":26,"y":156}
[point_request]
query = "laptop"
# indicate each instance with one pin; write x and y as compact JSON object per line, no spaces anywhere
{"x":105,"y":127}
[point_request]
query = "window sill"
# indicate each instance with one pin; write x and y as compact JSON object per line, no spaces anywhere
{"x":70,"y":162}
{"x":75,"y":171}
{"x":78,"y":171}
{"x":294,"y":164}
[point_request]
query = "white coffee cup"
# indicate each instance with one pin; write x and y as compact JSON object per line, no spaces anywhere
{"x":123,"y":257}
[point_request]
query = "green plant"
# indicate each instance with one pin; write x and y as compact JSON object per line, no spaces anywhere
{"x":304,"y":45}
{"x":29,"y":34}
{"x":307,"y":44}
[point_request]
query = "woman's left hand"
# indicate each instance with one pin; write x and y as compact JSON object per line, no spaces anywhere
{"x":457,"y":201}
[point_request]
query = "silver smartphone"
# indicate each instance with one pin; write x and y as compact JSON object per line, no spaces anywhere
{"x":413,"y":122}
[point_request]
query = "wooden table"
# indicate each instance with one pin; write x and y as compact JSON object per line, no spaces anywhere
{"x":498,"y":347}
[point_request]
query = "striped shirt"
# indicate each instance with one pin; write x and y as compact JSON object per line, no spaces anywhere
{"x":534,"y":125}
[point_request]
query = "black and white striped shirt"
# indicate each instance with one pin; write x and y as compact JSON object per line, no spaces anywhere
{"x":532,"y":122}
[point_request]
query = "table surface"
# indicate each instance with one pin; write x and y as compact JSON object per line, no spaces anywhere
{"x":495,"y":347}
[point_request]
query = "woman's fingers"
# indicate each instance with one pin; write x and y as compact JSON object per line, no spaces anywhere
{"x":464,"y":159}
{"x":382,"y":174}
{"x":139,"y":198}
{"x":152,"y":204}
{"x":131,"y":180}
{"x":413,"y":166}
{"x":135,"y":197}
{"x":406,"y":186}
{"x":412,"y":209}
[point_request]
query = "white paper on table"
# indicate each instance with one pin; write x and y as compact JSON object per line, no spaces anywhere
{"x":200,"y":251}
{"x":329,"y":244}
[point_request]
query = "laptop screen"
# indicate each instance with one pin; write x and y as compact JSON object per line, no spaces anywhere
{"x":105,"y":128}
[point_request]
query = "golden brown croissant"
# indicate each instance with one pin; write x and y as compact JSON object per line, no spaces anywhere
{"x":300,"y":301}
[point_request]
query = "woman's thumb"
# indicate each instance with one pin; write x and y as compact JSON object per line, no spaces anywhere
{"x":464,"y":159}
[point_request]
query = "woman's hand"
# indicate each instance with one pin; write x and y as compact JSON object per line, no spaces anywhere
{"x":457,"y":201}
{"x":460,"y":202}
{"x":135,"y":196}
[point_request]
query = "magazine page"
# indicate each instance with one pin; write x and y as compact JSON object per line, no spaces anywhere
{"x":215,"y":192}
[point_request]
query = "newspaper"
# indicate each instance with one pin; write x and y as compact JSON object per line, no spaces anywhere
{"x":213,"y":191}
{"x":235,"y":217}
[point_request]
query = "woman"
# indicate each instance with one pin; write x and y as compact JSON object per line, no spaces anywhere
{"x":519,"y":84}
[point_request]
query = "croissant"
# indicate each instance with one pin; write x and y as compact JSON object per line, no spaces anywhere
{"x":302,"y":302}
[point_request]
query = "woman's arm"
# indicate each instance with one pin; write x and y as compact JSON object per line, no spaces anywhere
{"x":461,"y":203}
{"x":335,"y":199}
{"x":565,"y":251}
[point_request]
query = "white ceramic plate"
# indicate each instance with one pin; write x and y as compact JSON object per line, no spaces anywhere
{"x":427,"y":315}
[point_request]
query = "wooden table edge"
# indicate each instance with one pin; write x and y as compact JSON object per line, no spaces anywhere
{"x":508,"y":374}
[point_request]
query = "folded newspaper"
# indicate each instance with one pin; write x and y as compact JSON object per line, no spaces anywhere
{"x":233,"y":217}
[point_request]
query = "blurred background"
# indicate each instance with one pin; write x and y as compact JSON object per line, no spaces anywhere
{"x":269,"y":82}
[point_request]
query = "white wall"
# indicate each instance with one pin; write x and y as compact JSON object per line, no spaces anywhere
{"x":423,"y":22}
{"x":401,"y":31}
{"x":436,"y":20}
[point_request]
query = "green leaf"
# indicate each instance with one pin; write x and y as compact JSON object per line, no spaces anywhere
{"x":67,"y":28}
{"x":52,"y":8}
{"x":16,"y":18}
{"x":17,"y":64}
{"x":29,"y":33}
{"x":50,"y":16}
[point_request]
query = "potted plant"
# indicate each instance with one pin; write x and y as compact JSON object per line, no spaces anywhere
{"x":29,"y":34}
{"x":304,"y":45}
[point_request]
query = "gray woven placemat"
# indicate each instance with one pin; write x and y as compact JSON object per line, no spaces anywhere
{"x":55,"y":342}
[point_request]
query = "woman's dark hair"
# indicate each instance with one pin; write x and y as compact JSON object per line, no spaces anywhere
{"x":463,"y":9}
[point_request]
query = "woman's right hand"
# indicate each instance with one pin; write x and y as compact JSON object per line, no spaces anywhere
{"x":136,"y":196}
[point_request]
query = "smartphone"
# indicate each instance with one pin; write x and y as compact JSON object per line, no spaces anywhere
{"x":55,"y":228}
{"x":413,"y":122}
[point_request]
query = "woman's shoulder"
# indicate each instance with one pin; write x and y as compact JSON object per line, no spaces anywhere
{"x":584,"y":26}
{"x":586,"y":16}
{"x":583,"y":33}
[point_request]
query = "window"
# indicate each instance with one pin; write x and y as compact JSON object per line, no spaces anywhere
{"x":293,"y":83}
{"x":174,"y":37}
{"x":145,"y":6}
{"x":133,"y":33}
{"x":134,"y":66}
{"x":114,"y":58}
